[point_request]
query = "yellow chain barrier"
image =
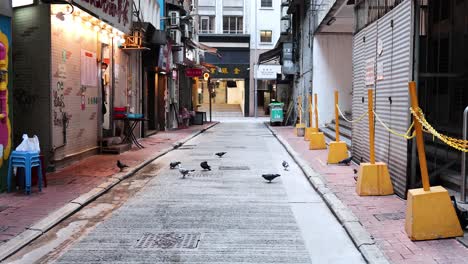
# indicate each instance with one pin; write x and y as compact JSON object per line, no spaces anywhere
{"x":456,"y":143}
{"x":351,"y":121}
{"x":406,"y":135}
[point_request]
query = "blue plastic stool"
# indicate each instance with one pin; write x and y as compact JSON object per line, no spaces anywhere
{"x":26,"y":160}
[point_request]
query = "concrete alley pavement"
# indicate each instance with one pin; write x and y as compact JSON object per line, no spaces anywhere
{"x":227,"y":215}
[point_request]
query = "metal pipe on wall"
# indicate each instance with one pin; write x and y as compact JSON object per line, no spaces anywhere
{"x":463,"y":161}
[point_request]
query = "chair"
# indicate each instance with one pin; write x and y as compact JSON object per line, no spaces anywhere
{"x":26,"y":160}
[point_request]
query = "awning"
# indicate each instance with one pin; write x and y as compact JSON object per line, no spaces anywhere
{"x":203,"y":47}
{"x":270,"y":55}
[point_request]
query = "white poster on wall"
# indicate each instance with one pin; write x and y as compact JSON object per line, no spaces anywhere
{"x":380,"y":70}
{"x":88,"y":68}
{"x":267,"y":72}
{"x":370,"y":74}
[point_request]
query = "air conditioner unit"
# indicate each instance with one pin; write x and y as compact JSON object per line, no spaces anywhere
{"x":174,"y":18}
{"x":175,"y":36}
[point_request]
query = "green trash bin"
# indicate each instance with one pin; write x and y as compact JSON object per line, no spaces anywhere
{"x":276,"y":112}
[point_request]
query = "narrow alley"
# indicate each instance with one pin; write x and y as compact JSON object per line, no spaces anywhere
{"x":227,"y":215}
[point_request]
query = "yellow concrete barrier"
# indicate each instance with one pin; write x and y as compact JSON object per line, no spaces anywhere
{"x":338,"y":150}
{"x":309,"y":131}
{"x":373,"y":178}
{"x":317,"y":141}
{"x":429,"y":211}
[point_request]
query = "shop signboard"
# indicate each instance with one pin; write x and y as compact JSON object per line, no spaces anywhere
{"x":193,"y":72}
{"x":117,"y":13}
{"x":267,"y":72}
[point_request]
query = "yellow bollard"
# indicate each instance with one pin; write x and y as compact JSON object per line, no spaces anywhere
{"x":300,"y":128}
{"x":317,"y":139}
{"x":338,"y":149}
{"x":373,"y":178}
{"x":429,"y":211}
{"x":309,"y":130}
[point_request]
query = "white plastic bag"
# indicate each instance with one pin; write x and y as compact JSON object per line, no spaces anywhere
{"x":29,"y":144}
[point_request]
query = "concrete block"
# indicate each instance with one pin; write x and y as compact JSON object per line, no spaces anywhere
{"x":55,"y":217}
{"x":373,"y":254}
{"x":358,"y":234}
{"x":17,"y":243}
{"x":89,"y":196}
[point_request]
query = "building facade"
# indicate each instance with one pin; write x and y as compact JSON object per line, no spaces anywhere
{"x":241,"y":30}
{"x":6,"y":87}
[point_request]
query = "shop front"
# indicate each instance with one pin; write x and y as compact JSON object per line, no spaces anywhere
{"x":80,"y":76}
{"x":5,"y":90}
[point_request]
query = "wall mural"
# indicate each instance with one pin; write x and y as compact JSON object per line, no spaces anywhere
{"x":5,"y":125}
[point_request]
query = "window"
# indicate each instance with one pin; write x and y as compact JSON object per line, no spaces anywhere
{"x":232,"y":24}
{"x":266,"y":3}
{"x":207,"y":25}
{"x":265,"y":36}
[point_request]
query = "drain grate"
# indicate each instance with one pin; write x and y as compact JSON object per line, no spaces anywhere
{"x":390,"y":216}
{"x":205,"y":174}
{"x":234,"y":168}
{"x":168,"y":240}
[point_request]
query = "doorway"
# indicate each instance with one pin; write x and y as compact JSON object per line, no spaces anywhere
{"x":106,"y":90}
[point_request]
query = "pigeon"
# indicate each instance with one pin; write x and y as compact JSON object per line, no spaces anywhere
{"x":174,"y":164}
{"x":355,"y":172}
{"x":205,"y":165}
{"x":185,"y":172}
{"x":285,"y":165}
{"x":270,"y":177}
{"x":346,"y":162}
{"x":121,"y":165}
{"x":220,"y":154}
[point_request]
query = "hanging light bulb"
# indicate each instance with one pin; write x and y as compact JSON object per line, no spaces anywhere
{"x":88,"y":24}
{"x":96,"y":28}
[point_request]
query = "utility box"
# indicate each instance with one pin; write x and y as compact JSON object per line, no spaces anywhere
{"x":276,"y":112}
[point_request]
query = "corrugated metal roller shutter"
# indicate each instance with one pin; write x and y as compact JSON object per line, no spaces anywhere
{"x":396,"y":57}
{"x":359,"y":49}
{"x":401,"y":67}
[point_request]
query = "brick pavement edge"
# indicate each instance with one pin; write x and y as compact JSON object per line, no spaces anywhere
{"x":18,"y":242}
{"x":360,"y":237}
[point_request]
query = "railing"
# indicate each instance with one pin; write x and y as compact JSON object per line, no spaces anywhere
{"x":463,"y":161}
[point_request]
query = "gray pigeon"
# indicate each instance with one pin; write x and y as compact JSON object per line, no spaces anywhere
{"x":174,"y":164}
{"x":121,"y":165}
{"x":185,"y":172}
{"x":270,"y":177}
{"x":285,"y":165}
{"x":205,"y":165}
{"x":220,"y":154}
{"x":346,"y":162}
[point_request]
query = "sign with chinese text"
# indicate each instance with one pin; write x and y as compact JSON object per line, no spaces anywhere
{"x":193,"y":72}
{"x":117,"y":13}
{"x":230,"y":71}
{"x":267,"y":72}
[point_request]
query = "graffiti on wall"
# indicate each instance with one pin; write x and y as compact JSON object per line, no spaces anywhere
{"x":60,"y":116}
{"x":5,"y":125}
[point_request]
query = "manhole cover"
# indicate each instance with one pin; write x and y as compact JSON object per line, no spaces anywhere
{"x":3,"y":228}
{"x":390,"y":216}
{"x":168,"y":240}
{"x":234,"y":168}
{"x":205,"y":174}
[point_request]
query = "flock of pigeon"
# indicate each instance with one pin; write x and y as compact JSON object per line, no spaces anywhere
{"x":204,"y":165}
